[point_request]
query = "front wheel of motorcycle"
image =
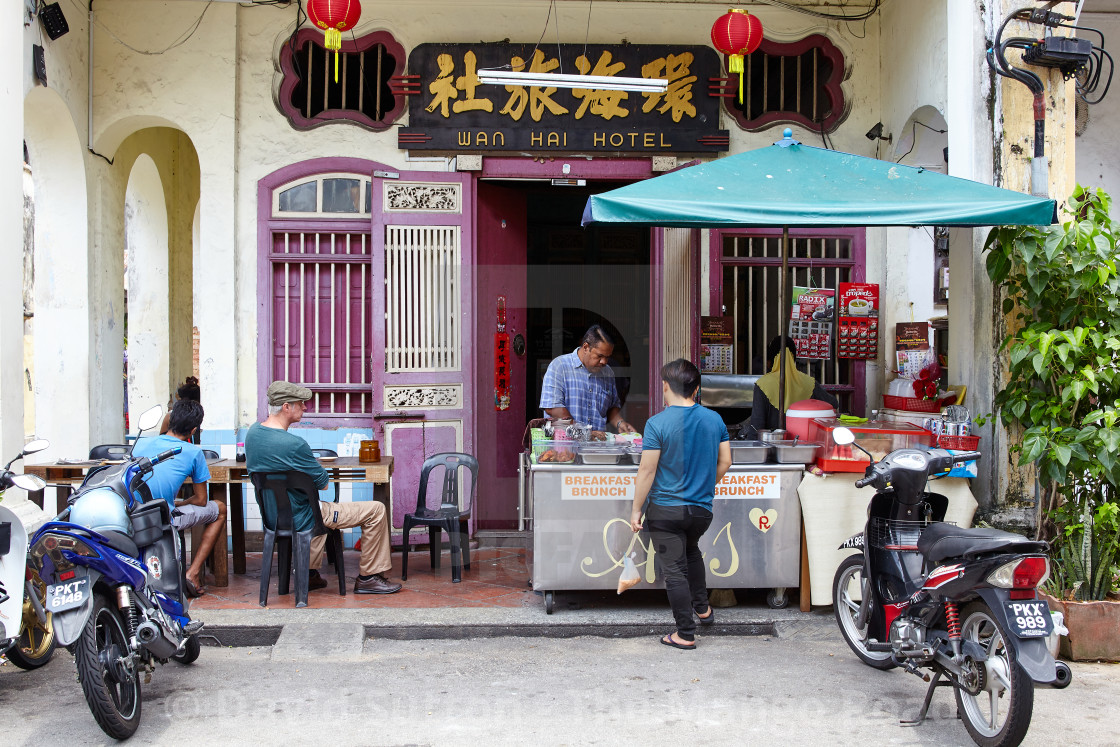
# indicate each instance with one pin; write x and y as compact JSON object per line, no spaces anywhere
{"x":847,"y":593}
{"x":109,"y":679}
{"x":1000,"y":713}
{"x":36,"y":640}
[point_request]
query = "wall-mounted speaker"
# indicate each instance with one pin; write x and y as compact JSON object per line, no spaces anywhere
{"x":54,"y":23}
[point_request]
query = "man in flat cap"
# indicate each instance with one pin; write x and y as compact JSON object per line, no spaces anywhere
{"x":269,"y":447}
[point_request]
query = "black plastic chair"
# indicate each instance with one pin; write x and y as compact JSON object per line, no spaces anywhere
{"x":110,"y":451}
{"x":283,"y":536}
{"x":450,"y":517}
{"x":210,"y":454}
{"x":334,"y":536}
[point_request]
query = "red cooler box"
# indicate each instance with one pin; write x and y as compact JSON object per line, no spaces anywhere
{"x":800,"y":416}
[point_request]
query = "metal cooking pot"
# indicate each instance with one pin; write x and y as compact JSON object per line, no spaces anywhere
{"x":770,"y":436}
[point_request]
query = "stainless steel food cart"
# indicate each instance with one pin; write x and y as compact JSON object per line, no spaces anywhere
{"x":579,"y":514}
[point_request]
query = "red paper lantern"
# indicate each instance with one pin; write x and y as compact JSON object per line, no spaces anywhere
{"x":334,"y":17}
{"x":736,"y":33}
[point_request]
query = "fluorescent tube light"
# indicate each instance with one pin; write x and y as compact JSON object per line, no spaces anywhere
{"x":591,"y":82}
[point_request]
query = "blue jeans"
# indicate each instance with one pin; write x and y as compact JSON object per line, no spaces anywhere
{"x":676,"y":532}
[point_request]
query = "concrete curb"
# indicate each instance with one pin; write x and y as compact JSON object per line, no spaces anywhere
{"x":400,"y":628}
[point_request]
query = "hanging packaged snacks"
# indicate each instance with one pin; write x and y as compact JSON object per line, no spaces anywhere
{"x":858,"y":334}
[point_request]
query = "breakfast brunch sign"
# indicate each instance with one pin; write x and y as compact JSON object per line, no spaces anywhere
{"x":455,"y":111}
{"x":597,"y":486}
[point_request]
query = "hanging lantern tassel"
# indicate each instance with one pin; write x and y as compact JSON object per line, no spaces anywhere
{"x":735,"y":65}
{"x":735,"y":34}
{"x":333,"y":17}
{"x":332,"y":40}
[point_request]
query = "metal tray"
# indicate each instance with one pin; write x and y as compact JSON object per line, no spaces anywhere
{"x":635,"y":455}
{"x":591,"y":454}
{"x":749,"y":452}
{"x":786,"y":452}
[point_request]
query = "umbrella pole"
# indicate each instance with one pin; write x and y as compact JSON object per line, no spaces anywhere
{"x":783,"y":309}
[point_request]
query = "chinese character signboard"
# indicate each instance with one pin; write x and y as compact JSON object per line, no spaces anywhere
{"x":455,"y":111}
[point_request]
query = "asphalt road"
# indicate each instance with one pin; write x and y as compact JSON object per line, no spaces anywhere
{"x":804,"y":688}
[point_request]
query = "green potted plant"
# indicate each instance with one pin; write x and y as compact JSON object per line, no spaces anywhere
{"x":1061,"y":301}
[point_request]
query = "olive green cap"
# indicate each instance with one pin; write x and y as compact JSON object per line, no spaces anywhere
{"x":280,"y":392}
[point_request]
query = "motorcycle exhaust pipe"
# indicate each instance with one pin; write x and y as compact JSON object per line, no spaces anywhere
{"x":151,"y":638}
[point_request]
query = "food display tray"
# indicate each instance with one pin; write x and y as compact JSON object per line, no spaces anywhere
{"x":601,"y":454}
{"x":749,"y":452}
{"x":788,"y":452}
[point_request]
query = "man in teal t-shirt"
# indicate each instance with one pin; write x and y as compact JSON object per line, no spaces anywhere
{"x":168,"y":476}
{"x":269,"y":447}
{"x":685,"y":452}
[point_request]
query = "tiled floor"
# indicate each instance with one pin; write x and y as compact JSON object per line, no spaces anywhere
{"x":497,"y":578}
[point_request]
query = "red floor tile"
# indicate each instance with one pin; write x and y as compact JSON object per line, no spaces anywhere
{"x":498,"y":577}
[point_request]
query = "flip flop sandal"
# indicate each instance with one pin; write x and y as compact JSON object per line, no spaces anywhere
{"x":668,"y":641}
{"x":193,"y":590}
{"x":711,"y":618}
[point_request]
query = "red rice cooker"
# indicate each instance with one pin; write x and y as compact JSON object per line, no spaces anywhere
{"x":800,"y":415}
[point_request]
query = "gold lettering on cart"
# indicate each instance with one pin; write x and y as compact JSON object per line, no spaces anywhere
{"x":714,"y":563}
{"x":650,"y":574}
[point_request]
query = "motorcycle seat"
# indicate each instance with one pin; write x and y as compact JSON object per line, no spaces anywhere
{"x":942,"y":541}
{"x":123,"y":543}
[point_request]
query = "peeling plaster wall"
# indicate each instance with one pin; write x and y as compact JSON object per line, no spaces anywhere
{"x":913,"y":74}
{"x":1098,"y":158}
{"x":1013,"y":136}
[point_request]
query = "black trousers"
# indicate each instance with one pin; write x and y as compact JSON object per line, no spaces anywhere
{"x":676,"y":532}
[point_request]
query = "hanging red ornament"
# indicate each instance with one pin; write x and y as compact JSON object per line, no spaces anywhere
{"x":334,"y":17}
{"x":736,"y":33}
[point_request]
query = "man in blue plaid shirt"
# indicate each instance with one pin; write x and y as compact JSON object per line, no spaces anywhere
{"x":580,"y":385}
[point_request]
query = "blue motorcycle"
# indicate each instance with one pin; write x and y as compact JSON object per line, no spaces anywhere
{"x":115,"y":586}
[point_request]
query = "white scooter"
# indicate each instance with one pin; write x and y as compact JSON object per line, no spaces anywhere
{"x":26,"y":634}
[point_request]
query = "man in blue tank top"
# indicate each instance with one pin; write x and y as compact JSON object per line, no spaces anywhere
{"x":685,"y":452}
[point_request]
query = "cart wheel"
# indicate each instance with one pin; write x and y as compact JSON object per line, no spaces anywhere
{"x":777,"y":598}
{"x":549,"y":598}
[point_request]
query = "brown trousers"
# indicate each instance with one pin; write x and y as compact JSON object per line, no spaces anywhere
{"x":371,"y":517}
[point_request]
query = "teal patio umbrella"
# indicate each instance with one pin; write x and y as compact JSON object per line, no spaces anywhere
{"x":791,"y":184}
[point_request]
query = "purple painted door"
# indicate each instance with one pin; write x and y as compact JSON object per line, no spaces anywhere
{"x":423,"y":279}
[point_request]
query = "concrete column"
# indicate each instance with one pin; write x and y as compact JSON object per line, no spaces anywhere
{"x":216,"y":317}
{"x":973,"y":334}
{"x":146,"y":235}
{"x":11,"y":227}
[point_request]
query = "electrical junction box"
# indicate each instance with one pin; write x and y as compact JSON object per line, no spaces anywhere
{"x":1067,"y":54}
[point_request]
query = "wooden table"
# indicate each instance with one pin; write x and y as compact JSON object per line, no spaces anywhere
{"x":230,"y":475}
{"x":226,"y":479}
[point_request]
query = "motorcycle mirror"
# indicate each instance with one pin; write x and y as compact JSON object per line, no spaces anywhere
{"x":150,"y":418}
{"x":843,"y":436}
{"x":30,"y":483}
{"x":37,"y":445}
